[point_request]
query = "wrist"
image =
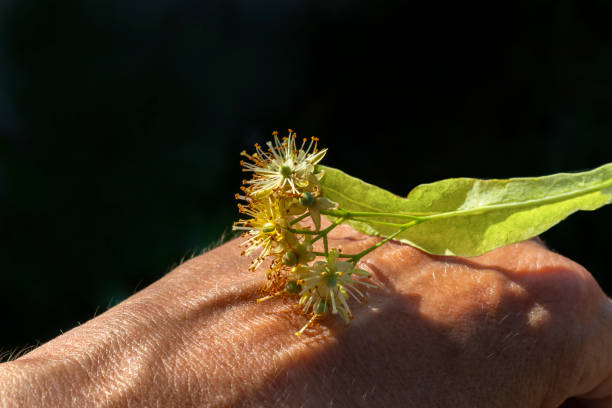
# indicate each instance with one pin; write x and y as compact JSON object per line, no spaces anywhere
{"x":94,"y":364}
{"x":184,"y":338}
{"x":45,"y":382}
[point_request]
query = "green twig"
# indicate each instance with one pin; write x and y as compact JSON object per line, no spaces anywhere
{"x":340,"y":255}
{"x":305,"y":232}
{"x":363,"y":253}
{"x":328,"y":229}
{"x":298,"y":219}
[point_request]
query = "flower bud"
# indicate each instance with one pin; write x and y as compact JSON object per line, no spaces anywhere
{"x":290,"y":258}
{"x":307,"y":199}
{"x":293,"y":287}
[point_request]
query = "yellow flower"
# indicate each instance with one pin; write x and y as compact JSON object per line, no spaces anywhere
{"x":265,"y":229}
{"x":326,"y":286}
{"x":283,"y":167}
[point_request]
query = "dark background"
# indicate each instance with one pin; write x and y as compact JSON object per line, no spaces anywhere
{"x":121,"y":123}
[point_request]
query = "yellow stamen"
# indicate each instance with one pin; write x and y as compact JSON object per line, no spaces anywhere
{"x":310,"y":322}
{"x":263,"y":299}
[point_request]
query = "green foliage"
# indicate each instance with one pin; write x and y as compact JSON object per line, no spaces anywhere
{"x":464,"y":216}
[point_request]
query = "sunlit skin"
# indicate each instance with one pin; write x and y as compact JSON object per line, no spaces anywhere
{"x":520,"y":326}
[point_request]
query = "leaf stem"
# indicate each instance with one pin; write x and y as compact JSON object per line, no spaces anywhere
{"x":351,"y":214}
{"x":388,"y":224}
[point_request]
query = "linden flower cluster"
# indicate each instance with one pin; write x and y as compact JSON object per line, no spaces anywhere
{"x":284,"y":190}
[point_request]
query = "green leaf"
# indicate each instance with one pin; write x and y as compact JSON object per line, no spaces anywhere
{"x":469,"y":217}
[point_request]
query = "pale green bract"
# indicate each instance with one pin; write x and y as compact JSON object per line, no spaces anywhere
{"x":465,"y":216}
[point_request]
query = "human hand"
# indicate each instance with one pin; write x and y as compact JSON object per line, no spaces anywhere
{"x":517,"y":327}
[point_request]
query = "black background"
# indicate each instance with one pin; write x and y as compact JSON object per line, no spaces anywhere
{"x":121,"y":123}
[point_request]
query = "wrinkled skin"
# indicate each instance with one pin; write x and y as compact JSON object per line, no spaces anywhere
{"x":518,"y":327}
